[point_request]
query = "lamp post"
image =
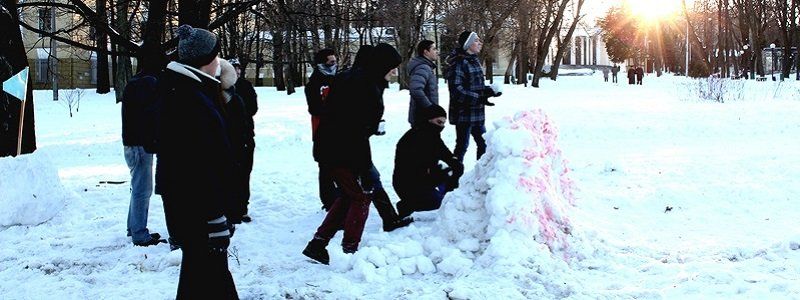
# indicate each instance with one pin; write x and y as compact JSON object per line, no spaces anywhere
{"x":772,"y":47}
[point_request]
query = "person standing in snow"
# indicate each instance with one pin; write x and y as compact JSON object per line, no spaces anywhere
{"x":468,"y":94}
{"x":631,"y":75}
{"x":614,"y":72}
{"x":316,"y":91}
{"x":195,"y":166}
{"x":605,"y":74}
{"x":423,"y":85}
{"x":353,"y":110}
{"x":237,"y":121}
{"x":138,"y":98}
{"x":418,"y":179}
{"x":639,"y":75}
{"x":248,"y":101}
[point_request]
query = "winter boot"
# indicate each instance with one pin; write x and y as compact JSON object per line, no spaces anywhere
{"x":316,"y":250}
{"x":349,"y":248}
{"x":397,"y":224}
{"x":155,"y":239}
{"x":246,"y":218}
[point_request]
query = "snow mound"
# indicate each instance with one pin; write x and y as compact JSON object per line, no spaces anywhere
{"x":31,"y":190}
{"x":517,"y":198}
{"x":509,"y":217}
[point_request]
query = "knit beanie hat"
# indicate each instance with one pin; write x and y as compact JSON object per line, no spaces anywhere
{"x":433,"y":111}
{"x":466,"y":38}
{"x":197,"y":47}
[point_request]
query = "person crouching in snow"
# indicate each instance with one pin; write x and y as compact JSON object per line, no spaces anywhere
{"x":353,"y":110}
{"x":195,"y":166}
{"x":418,"y":179}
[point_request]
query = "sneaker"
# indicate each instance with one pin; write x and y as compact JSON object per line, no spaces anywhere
{"x":399,"y":223}
{"x":246,"y":218}
{"x":316,"y":250}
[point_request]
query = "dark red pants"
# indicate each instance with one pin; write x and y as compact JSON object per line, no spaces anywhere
{"x":349,"y":211}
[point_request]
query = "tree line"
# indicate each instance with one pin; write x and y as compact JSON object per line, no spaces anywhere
{"x":725,"y":38}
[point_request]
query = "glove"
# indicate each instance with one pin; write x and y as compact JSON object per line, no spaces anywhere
{"x":219,"y":236}
{"x":458,"y":169}
{"x":485,"y":101}
{"x":489,"y":92}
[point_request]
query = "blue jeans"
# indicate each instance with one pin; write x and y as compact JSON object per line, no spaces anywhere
{"x":463,"y":132}
{"x":140,"y":164}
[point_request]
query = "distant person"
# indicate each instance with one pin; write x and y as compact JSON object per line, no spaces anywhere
{"x":195,"y":166}
{"x":352,"y":113}
{"x":631,"y":75}
{"x":423,"y":85}
{"x":639,"y":75}
{"x":468,"y":94}
{"x":249,"y":102}
{"x":138,"y":128}
{"x":418,"y":179}
{"x":316,"y":92}
{"x":614,"y":72}
{"x":605,"y":74}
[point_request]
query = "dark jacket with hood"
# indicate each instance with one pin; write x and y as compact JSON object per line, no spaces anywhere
{"x":422,"y":86}
{"x":195,"y":160}
{"x":417,"y":156}
{"x":353,"y":110}
{"x":249,"y":97}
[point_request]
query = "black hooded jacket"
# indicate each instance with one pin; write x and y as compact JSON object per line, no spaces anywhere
{"x":353,"y":110}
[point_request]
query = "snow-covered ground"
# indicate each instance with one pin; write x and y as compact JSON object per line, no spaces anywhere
{"x":674,"y":199}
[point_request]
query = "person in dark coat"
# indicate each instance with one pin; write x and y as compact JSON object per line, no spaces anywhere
{"x":316,"y":91}
{"x":418,"y":179}
{"x":639,"y":75}
{"x":237,"y":120}
{"x":468,"y":94}
{"x":138,"y":98}
{"x":614,"y":72}
{"x":195,"y":166}
{"x":245,"y":91}
{"x":631,"y":75}
{"x":352,"y":113}
{"x":423,"y":85}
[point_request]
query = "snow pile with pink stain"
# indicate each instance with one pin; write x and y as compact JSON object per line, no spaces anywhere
{"x":519,"y":191}
{"x":510,"y":211}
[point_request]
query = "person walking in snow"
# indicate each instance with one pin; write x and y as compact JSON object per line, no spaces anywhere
{"x":418,"y":178}
{"x":639,"y":75}
{"x":614,"y":72}
{"x":195,"y":166}
{"x":248,"y":101}
{"x":468,"y":94}
{"x":316,"y":92}
{"x":605,"y":74}
{"x":631,"y":75}
{"x":138,"y":98}
{"x":423,"y":84}
{"x":353,"y":110}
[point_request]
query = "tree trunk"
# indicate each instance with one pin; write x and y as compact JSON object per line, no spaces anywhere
{"x":277,"y":60}
{"x":196,"y":13}
{"x":546,"y":34}
{"x":103,"y":82}
{"x":12,"y":61}
{"x":123,"y":69}
{"x":151,"y":56}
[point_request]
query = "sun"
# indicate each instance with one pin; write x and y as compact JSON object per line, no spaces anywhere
{"x":653,"y":10}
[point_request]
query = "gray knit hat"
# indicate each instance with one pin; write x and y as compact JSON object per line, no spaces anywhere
{"x":197,"y":47}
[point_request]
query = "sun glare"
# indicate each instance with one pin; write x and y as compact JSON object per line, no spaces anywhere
{"x":654,"y":10}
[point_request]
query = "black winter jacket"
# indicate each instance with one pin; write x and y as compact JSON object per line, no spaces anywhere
{"x":418,"y":151}
{"x":195,"y":162}
{"x":353,"y":109}
{"x":312,"y":91}
{"x":138,"y":126}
